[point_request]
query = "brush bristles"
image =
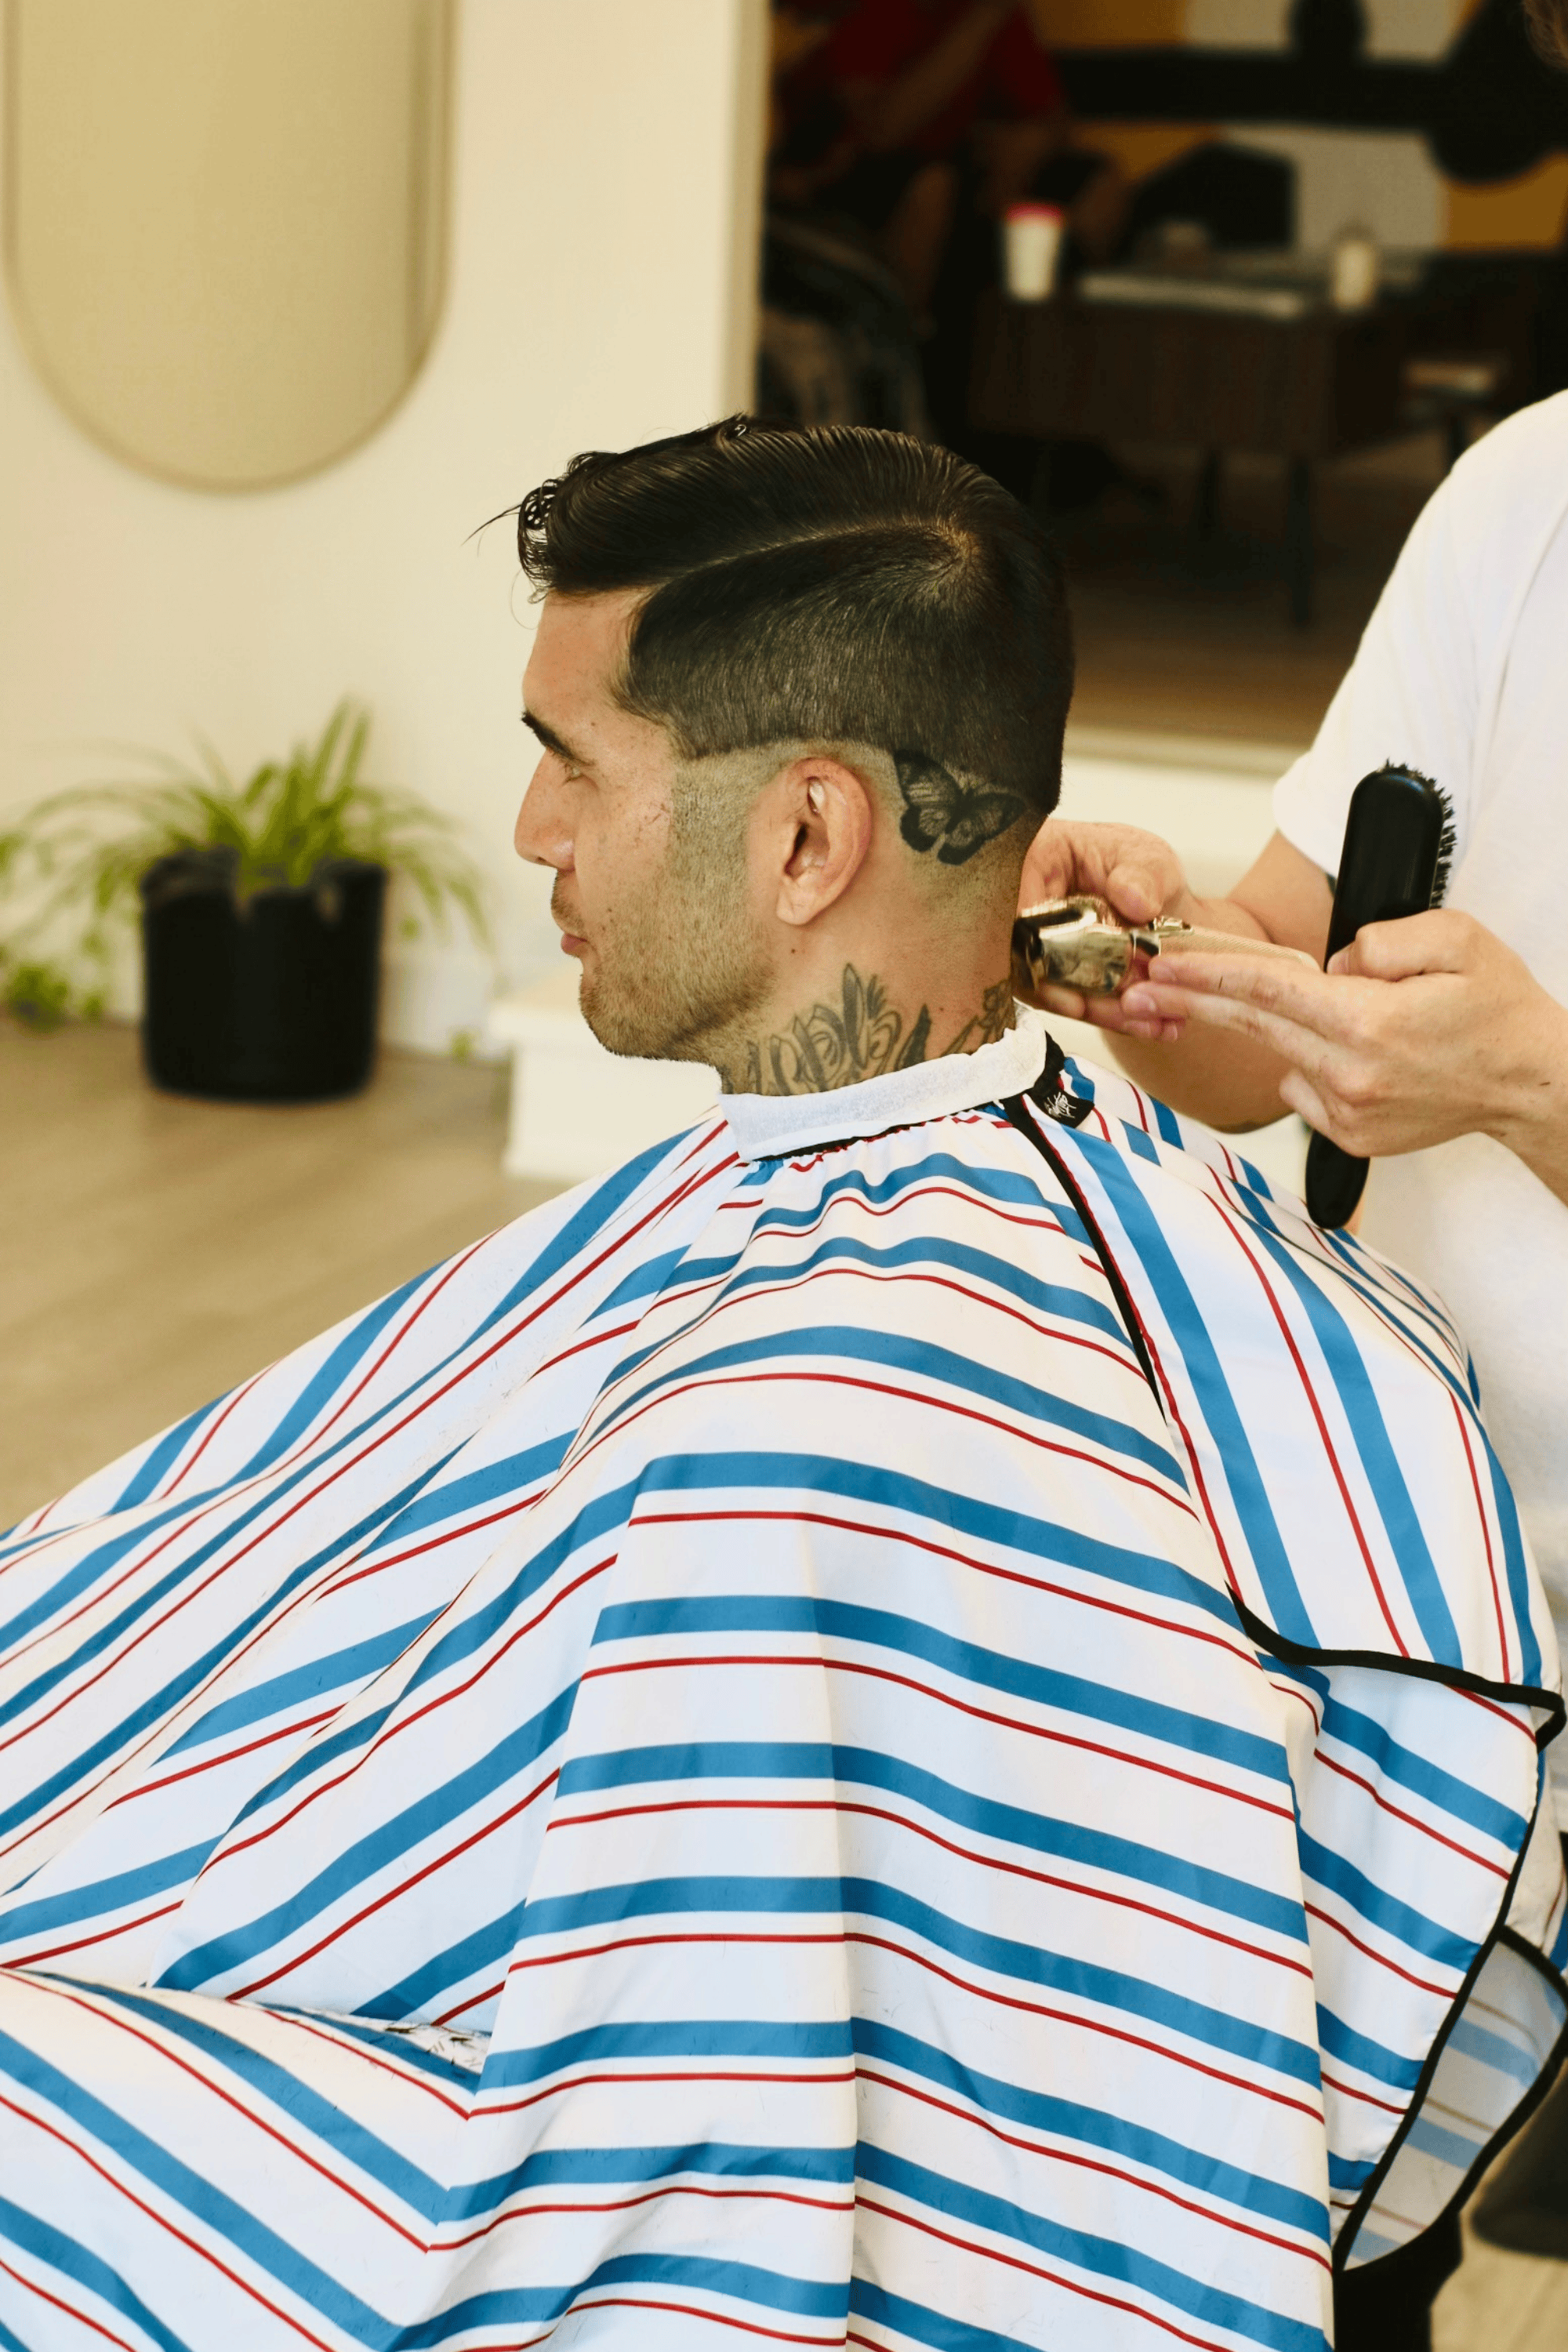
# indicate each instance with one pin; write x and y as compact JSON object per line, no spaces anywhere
{"x":1446,"y":845}
{"x":1447,"y":839}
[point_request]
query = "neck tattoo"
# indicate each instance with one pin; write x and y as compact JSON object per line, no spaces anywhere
{"x":861,"y":1037}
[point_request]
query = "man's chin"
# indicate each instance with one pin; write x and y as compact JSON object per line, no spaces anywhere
{"x":626,"y":1031}
{"x":617,"y":1026}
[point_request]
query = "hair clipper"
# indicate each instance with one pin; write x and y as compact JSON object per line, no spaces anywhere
{"x":1398,"y":840}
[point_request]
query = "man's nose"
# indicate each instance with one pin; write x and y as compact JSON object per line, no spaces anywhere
{"x":542,"y":833}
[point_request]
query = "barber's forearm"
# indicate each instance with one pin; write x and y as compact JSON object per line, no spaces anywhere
{"x":1223,"y":1080}
{"x":1533,"y":1123}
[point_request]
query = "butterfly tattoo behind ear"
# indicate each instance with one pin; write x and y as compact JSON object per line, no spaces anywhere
{"x":953,"y":818}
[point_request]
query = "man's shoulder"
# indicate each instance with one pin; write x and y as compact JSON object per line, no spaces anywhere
{"x":1138,"y":1125}
{"x":1166,"y":1156}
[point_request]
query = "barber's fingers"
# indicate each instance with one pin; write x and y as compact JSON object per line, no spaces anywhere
{"x":1145,"y":879}
{"x":1294,"y":1042}
{"x":1138,"y":874}
{"x":1111,"y":1013}
{"x":1100,"y":1012}
{"x":1352,"y":1110}
{"x":1246,"y":994}
{"x":1299,"y":1093}
{"x":1342,"y":1084}
{"x":1067,"y":1003}
{"x":1442,"y":940}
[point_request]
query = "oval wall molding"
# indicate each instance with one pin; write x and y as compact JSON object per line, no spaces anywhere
{"x":225,"y":225}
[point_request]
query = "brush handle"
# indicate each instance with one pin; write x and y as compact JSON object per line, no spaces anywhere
{"x":1388,"y":869}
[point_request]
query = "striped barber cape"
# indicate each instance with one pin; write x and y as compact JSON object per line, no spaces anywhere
{"x":914,"y":1722}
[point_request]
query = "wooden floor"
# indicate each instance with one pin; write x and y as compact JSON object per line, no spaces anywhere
{"x":155,"y":1251}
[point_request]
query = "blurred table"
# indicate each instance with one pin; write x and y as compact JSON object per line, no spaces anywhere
{"x":1241,"y":358}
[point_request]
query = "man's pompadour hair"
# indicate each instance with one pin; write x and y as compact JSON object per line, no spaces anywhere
{"x":829,"y":584}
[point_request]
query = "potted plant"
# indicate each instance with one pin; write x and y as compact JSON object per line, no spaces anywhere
{"x":262,"y":907}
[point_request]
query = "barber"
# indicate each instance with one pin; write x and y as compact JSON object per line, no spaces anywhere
{"x":1436,"y":1046}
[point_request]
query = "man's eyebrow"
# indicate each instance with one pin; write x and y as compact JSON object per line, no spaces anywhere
{"x":551,"y":740}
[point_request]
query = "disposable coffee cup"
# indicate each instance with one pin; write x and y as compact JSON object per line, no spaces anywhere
{"x":1031,"y":244}
{"x":1354,"y":270}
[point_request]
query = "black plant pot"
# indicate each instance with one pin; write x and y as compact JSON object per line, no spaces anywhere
{"x":273,"y":1000}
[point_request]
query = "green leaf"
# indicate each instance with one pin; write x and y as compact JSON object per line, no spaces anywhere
{"x":39,"y":994}
{"x":79,"y":854}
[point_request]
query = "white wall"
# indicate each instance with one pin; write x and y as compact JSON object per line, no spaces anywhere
{"x":606,"y":156}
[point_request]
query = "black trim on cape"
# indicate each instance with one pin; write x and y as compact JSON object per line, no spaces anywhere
{"x":1265,"y":1637}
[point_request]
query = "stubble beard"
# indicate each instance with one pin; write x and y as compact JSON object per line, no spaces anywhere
{"x":681,"y":979}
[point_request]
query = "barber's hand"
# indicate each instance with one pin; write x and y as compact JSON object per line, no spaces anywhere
{"x":1419,"y":1030}
{"x":1140,"y":875}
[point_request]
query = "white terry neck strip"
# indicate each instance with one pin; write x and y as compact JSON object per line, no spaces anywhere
{"x":767,"y":1127}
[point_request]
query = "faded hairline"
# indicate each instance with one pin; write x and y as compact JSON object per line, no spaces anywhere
{"x":713,"y":794}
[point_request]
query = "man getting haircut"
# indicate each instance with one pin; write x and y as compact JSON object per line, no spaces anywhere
{"x":900,"y":609}
{"x":912,"y":1721}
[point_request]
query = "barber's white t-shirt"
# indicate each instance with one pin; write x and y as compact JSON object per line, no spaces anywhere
{"x":1463,"y":673}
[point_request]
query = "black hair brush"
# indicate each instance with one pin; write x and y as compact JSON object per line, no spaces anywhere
{"x":1398,"y":846}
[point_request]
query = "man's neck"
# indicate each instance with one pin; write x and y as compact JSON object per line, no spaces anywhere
{"x":860,"y":1029}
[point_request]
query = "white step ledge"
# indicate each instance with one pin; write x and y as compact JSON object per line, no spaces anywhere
{"x":576,"y":1110}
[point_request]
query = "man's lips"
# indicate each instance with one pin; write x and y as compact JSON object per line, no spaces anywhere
{"x":573,"y":941}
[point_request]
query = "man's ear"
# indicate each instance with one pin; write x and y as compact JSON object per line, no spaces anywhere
{"x":819,"y":824}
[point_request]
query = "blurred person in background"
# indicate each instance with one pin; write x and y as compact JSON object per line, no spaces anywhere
{"x":836,"y":342}
{"x":922,"y":121}
{"x":921,"y":108}
{"x":1436,"y":1046}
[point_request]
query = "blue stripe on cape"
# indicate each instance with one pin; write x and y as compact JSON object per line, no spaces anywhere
{"x":746,"y":1760}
